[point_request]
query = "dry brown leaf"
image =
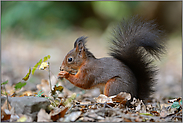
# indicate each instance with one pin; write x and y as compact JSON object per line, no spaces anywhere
{"x":27,"y":93}
{"x":5,"y":115}
{"x":5,"y":106}
{"x":127,"y":120}
{"x":155,"y":113}
{"x":14,"y":117}
{"x":103,"y":98}
{"x":43,"y":116}
{"x":139,"y":105}
{"x":122,"y":98}
{"x":58,"y":113}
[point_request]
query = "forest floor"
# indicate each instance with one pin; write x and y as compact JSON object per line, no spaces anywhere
{"x":70,"y":103}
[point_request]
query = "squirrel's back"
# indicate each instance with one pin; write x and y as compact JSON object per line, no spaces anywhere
{"x":135,"y":41}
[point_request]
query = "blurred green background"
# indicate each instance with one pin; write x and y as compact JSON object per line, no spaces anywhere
{"x":31,"y":30}
{"x":42,"y":19}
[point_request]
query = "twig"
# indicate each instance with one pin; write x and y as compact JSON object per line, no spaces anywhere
{"x":105,"y":104}
{"x":84,"y":104}
{"x":49,"y":75}
{"x":175,"y":115}
{"x":70,"y":108}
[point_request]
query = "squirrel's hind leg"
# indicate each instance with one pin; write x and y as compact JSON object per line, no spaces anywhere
{"x":116,"y":85}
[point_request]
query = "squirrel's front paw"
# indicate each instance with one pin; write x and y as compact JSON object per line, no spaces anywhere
{"x":63,"y":74}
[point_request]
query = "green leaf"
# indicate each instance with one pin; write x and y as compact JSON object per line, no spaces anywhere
{"x":46,"y":58}
{"x":44,"y":65}
{"x":4,"y":82}
{"x":35,"y":67}
{"x":39,"y":63}
{"x":56,"y":88}
{"x":176,"y":104}
{"x":20,"y":85}
{"x":48,"y":98}
{"x":69,"y":100}
{"x":40,"y":93}
{"x":147,"y":114}
{"x":27,"y":76}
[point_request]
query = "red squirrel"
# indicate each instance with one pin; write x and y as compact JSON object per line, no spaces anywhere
{"x":135,"y":45}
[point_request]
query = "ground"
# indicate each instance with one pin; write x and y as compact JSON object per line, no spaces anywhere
{"x":19,"y":53}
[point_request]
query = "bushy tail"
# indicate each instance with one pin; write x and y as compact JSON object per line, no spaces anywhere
{"x":134,"y":43}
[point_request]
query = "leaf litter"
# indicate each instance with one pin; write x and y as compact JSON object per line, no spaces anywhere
{"x":75,"y":108}
{"x":71,"y":107}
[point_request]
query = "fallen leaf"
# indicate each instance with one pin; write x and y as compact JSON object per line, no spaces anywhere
{"x":155,"y":113}
{"x":58,"y":113}
{"x":86,"y":119}
{"x":14,"y":117}
{"x":69,"y":100}
{"x":5,"y":115}
{"x":127,"y":120}
{"x":27,"y":93}
{"x":6,"y":105}
{"x":22,"y":119}
{"x":95,"y":116}
{"x":85,"y":103}
{"x":163,"y":112}
{"x":147,"y":114}
{"x":25,"y":118}
{"x":122,"y":98}
{"x":139,"y":105}
{"x":103,"y":99}
{"x":72,"y":117}
{"x":43,"y":116}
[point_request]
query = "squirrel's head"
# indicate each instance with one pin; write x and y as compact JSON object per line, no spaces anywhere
{"x":76,"y":57}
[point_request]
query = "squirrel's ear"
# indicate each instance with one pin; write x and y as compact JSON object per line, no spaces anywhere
{"x":79,"y":44}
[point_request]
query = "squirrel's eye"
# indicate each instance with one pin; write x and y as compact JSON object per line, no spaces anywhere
{"x":69,"y":59}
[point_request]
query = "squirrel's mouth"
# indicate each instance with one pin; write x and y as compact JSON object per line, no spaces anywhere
{"x":74,"y":72}
{"x":70,"y":71}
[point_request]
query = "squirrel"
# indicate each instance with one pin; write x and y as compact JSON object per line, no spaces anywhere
{"x":135,"y":44}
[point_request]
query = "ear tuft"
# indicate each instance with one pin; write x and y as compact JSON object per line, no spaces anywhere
{"x":80,"y":42}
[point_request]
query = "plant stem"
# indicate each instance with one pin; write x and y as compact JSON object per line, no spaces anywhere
{"x":49,"y":75}
{"x":7,"y":97}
